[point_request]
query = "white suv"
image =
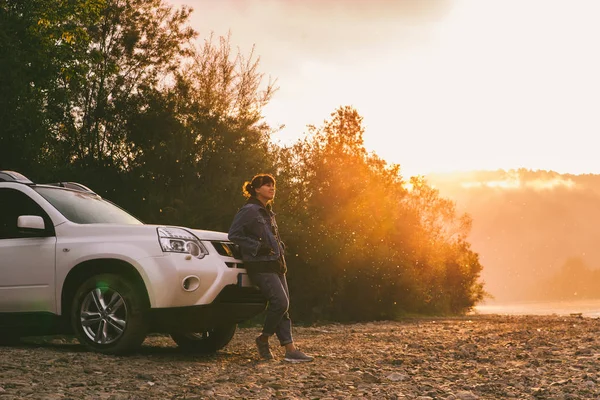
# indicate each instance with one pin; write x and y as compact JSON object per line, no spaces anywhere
{"x":71,"y":261}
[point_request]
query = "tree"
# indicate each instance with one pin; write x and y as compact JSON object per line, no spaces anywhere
{"x":123,"y":100}
{"x":198,"y":141}
{"x":336,"y":194}
{"x":116,"y":95}
{"x":448,"y":268}
{"x":369,"y":245}
{"x":39,"y":39}
{"x":134,"y":47}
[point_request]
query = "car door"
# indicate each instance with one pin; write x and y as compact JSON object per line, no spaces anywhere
{"x":27,"y":258}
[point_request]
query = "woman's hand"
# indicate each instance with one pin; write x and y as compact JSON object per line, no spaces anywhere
{"x":265,"y":250}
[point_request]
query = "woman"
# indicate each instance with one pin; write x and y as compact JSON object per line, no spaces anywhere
{"x":254,"y":229}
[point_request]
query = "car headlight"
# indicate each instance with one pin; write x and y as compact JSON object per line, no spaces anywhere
{"x":177,"y":240}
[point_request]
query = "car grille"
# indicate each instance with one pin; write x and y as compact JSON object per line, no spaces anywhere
{"x":227,"y":249}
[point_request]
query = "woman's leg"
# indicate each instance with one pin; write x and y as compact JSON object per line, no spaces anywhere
{"x":276,"y":292}
{"x":284,"y":328}
{"x":274,"y":287}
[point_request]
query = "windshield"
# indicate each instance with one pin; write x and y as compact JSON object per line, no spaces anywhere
{"x":85,"y":208}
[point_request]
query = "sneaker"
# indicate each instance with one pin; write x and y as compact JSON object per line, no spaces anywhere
{"x":296,"y":356}
{"x":263,"y":349}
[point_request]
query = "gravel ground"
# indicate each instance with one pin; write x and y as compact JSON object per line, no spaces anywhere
{"x":474,"y":357}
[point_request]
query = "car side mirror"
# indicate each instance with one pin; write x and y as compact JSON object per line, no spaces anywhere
{"x":31,"y":222}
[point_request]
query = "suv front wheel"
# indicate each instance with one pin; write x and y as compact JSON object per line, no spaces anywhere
{"x":108,"y":314}
{"x":206,"y":342}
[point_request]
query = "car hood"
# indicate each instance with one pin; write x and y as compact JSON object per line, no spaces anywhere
{"x":140,"y":230}
{"x":209,"y":235}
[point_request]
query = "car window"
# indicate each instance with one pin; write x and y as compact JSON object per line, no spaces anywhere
{"x":14,"y":203}
{"x":85,"y":208}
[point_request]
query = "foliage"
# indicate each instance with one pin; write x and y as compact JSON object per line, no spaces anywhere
{"x":199,"y":140}
{"x":134,"y":47}
{"x":377,"y":249}
{"x":526,"y":225}
{"x":117,"y":95}
{"x":575,"y":280}
{"x":40,"y":40}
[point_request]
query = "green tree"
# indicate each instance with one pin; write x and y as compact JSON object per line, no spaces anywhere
{"x":39,"y":40}
{"x":198,"y":141}
{"x":115,"y":94}
{"x":134,"y":48}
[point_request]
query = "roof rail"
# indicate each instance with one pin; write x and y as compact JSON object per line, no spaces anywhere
{"x":12,"y":176}
{"x":74,"y":186}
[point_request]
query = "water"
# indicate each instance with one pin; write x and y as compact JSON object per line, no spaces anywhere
{"x":587,"y":308}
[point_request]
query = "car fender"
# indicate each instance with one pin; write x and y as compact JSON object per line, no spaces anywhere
{"x":71,"y":255}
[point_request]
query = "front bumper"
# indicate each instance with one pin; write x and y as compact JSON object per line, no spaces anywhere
{"x":234,"y":304}
{"x":165,"y":278}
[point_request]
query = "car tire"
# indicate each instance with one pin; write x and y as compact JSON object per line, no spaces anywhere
{"x":109,"y":314}
{"x":207,"y":342}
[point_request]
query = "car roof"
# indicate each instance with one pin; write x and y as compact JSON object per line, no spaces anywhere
{"x":13,"y":176}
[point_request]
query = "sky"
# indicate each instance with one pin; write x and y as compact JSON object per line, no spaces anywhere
{"x":442,"y":85}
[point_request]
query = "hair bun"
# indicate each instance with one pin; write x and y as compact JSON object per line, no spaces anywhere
{"x":248,"y":189}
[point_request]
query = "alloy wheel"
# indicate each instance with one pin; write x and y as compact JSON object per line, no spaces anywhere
{"x":103,"y":315}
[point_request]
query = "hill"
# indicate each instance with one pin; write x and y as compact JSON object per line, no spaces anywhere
{"x":536,"y":232}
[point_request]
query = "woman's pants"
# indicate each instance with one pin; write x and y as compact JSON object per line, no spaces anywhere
{"x":274,"y":287}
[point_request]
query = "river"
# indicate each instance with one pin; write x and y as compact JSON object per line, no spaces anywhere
{"x":587,"y":308}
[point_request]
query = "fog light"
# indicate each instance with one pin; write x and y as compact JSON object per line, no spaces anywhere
{"x":190,"y":283}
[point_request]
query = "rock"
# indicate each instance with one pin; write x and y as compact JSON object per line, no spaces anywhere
{"x":466,"y":396}
{"x":369,"y":377}
{"x":479,"y":357}
{"x":145,"y":377}
{"x":397,"y":377}
{"x":119,"y":396}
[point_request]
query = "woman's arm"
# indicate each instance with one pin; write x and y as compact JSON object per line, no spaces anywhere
{"x":237,"y":234}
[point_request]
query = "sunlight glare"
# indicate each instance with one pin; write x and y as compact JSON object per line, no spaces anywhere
{"x":516,"y":183}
